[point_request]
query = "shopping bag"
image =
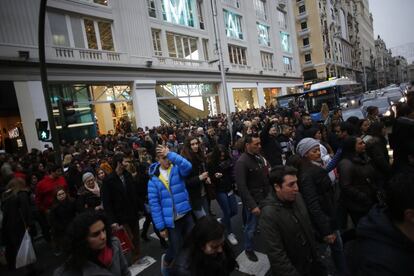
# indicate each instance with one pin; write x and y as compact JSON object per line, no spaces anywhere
{"x":26,"y":254}
{"x":125,"y":240}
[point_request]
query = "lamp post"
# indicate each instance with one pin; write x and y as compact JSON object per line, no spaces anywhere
{"x":222,"y":69}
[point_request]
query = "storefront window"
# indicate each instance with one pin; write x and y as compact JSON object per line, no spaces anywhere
{"x":245,"y":98}
{"x":270,"y":96}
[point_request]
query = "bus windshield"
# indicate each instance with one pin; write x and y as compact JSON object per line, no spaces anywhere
{"x":314,"y":104}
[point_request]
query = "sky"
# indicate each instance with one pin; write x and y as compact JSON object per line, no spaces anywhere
{"x":393,"y":21}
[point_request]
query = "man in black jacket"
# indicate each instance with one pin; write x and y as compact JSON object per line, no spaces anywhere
{"x":287,"y":229}
{"x":120,"y":200}
{"x":385,"y":243}
{"x":252,"y":172}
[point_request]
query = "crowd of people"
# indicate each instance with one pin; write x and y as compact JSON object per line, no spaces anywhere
{"x":315,"y":189}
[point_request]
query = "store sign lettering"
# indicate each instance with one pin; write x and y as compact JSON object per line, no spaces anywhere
{"x":178,"y":11}
{"x":233,"y":28}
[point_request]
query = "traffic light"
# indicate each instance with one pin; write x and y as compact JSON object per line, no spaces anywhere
{"x":67,"y":113}
{"x":42,"y":131}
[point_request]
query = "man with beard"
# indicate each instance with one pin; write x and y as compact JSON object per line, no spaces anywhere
{"x":206,"y":251}
{"x":305,"y":125}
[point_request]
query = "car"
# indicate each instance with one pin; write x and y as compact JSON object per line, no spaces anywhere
{"x":382,"y":103}
{"x":354,"y":112}
{"x":394,"y":95}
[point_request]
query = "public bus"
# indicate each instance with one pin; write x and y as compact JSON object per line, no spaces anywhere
{"x":335,"y":93}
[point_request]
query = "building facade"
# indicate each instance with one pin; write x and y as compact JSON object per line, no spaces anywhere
{"x":328,"y":38}
{"x":401,"y":69}
{"x":145,"y":62}
{"x":366,"y":46}
{"x":384,"y":65}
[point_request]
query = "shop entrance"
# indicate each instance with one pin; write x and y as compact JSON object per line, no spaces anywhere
{"x":12,"y":138}
{"x":96,"y":109}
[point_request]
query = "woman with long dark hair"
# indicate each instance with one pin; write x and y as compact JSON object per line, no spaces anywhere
{"x":198,"y":179}
{"x":62,"y":213}
{"x":220,"y":167}
{"x":357,"y":179}
{"x":91,"y":249}
{"x":205,"y":252}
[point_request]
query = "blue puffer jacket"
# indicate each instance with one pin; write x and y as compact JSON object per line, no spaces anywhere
{"x":164,"y":204}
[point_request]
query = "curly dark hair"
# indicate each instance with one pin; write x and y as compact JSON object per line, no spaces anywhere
{"x":187,"y":152}
{"x":76,"y":244}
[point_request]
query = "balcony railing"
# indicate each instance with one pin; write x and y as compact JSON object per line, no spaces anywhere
{"x":174,"y":62}
{"x":302,"y":16}
{"x":74,"y":54}
{"x":307,"y":64}
{"x":304,"y":32}
{"x":306,"y":48}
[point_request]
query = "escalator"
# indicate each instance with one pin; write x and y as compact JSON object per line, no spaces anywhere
{"x":168,"y":114}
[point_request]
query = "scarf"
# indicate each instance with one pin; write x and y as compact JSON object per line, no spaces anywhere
{"x":95,"y":190}
{"x":105,"y":256}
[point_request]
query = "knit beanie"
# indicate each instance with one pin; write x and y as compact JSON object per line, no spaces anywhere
{"x":305,"y":145}
{"x":86,"y":176}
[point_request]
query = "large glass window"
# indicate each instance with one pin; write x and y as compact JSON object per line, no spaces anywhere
{"x":263,"y":34}
{"x":105,"y":33}
{"x":180,"y":12}
{"x":180,"y":46}
{"x":237,"y":55}
{"x":285,"y":42}
{"x":90,"y":34}
{"x":233,"y":25}
{"x":200,"y":14}
{"x":151,"y":8}
{"x":205,"y":49}
{"x":77,"y":32}
{"x":267,"y":60}
{"x":156,"y":42}
{"x":260,"y":8}
{"x":60,"y":36}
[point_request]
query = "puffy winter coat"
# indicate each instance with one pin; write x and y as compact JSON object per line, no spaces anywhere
{"x":167,"y":204}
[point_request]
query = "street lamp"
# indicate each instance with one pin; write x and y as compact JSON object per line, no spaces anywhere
{"x":222,"y":69}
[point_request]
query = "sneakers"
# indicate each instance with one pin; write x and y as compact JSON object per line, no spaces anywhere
{"x":232,"y":239}
{"x":251,"y":255}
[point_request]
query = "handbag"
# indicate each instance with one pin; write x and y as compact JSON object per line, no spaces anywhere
{"x":125,"y":240}
{"x":26,"y":254}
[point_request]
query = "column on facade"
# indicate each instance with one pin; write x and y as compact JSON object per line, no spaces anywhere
{"x":32,"y":106}
{"x":145,"y":103}
{"x":104,"y":113}
{"x":260,"y":96}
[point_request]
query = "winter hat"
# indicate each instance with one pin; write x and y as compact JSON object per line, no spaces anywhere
{"x":86,"y":176}
{"x":305,"y":145}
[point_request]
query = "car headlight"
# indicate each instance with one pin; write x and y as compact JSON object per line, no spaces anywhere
{"x":387,"y":113}
{"x":403,"y":100}
{"x":352,"y":102}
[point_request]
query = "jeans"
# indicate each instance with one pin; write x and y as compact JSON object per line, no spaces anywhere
{"x":203,"y":211}
{"x":228,"y":205}
{"x":249,"y":229}
{"x":176,"y":235}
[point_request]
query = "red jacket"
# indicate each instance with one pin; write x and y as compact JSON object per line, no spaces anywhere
{"x":45,"y":191}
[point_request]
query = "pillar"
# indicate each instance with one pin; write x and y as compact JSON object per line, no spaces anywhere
{"x":260,"y":96}
{"x":31,"y":107}
{"x":145,"y":103}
